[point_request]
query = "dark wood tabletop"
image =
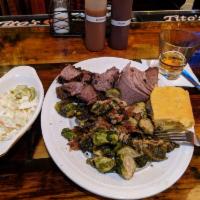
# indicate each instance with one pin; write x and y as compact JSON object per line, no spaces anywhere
{"x":27,"y":171}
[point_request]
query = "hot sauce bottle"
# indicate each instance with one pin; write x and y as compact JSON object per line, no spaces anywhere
{"x":120,"y":21}
{"x":95,"y":24}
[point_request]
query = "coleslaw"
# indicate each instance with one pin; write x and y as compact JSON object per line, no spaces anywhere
{"x":16,"y":108}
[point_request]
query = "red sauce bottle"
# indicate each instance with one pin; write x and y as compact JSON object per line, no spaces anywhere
{"x":120,"y":21}
{"x":95,"y":24}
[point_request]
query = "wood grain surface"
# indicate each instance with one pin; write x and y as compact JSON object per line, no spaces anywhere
{"x":27,"y":171}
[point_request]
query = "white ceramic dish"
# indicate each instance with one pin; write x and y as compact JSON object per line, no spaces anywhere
{"x":146,"y":182}
{"x":22,"y":75}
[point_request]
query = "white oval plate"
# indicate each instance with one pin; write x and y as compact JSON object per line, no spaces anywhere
{"x":22,"y":75}
{"x":146,"y":182}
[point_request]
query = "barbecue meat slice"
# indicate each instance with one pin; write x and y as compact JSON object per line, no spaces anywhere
{"x":106,"y":80}
{"x":152,"y":77}
{"x":69,"y":73}
{"x":73,"y":88}
{"x":136,"y":85}
{"x":86,"y":76}
{"x":140,"y":81}
{"x":130,"y":93}
{"x":88,"y":94}
{"x":81,"y":90}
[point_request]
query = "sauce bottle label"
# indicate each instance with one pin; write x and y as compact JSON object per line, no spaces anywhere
{"x":96,"y":19}
{"x":120,"y":23}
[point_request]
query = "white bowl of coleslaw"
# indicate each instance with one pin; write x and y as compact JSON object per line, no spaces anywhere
{"x":18,"y":110}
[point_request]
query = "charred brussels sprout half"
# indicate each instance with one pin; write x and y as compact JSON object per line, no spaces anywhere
{"x":125,"y":162}
{"x":155,"y":153}
{"x":141,"y":161}
{"x":125,"y":166}
{"x":102,"y":164}
{"x":127,"y":150}
{"x":86,"y":144}
{"x":132,"y":121}
{"x":101,"y":137}
{"x":66,"y":109}
{"x":112,"y":137}
{"x":68,"y":134}
{"x":104,"y":150}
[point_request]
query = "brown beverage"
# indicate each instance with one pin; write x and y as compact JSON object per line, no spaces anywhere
{"x":120,"y":20}
{"x":95,"y":24}
{"x":172,"y":64}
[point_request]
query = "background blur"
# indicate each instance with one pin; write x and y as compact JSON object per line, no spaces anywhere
{"x":24,"y":7}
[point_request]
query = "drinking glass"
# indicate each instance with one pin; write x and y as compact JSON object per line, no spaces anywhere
{"x":176,"y":48}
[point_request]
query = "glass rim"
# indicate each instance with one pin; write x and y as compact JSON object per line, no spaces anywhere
{"x":163,"y":31}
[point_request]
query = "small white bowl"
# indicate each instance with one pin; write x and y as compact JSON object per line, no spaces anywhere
{"x":22,"y":75}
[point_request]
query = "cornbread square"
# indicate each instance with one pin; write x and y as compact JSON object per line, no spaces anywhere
{"x":171,"y":108}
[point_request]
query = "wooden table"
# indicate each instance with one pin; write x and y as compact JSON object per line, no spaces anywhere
{"x":27,"y":171}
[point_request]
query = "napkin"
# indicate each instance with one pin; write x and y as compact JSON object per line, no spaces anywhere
{"x":181,"y":81}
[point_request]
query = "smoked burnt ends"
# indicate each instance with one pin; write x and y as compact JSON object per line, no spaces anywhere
{"x":134,"y":85}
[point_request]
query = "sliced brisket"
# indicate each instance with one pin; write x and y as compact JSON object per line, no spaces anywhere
{"x":152,"y":77}
{"x":88,"y":94}
{"x":134,"y":84}
{"x":73,"y":88}
{"x":86,"y":76}
{"x":106,"y":80}
{"x":69,"y":73}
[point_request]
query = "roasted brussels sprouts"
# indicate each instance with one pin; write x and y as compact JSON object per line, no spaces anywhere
{"x":86,"y":143}
{"x":82,"y":112}
{"x":112,"y":137}
{"x":101,"y":107}
{"x":100,"y":137}
{"x":147,"y":126}
{"x":117,"y":137}
{"x":125,"y":166}
{"x":137,"y":110}
{"x":154,"y":149}
{"x":68,"y":134}
{"x":104,"y":150}
{"x":127,"y":150}
{"x":125,"y":161}
{"x":155,"y":153}
{"x":133,"y":122}
{"x":66,"y":109}
{"x":113,"y":92}
{"x":141,"y":161}
{"x":130,"y":125}
{"x":102,"y":164}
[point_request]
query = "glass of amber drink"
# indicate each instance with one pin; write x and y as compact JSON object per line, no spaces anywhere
{"x":176,"y":48}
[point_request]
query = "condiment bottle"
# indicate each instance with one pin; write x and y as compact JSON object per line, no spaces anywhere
{"x":60,"y":18}
{"x":95,"y":24}
{"x":120,"y":21}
